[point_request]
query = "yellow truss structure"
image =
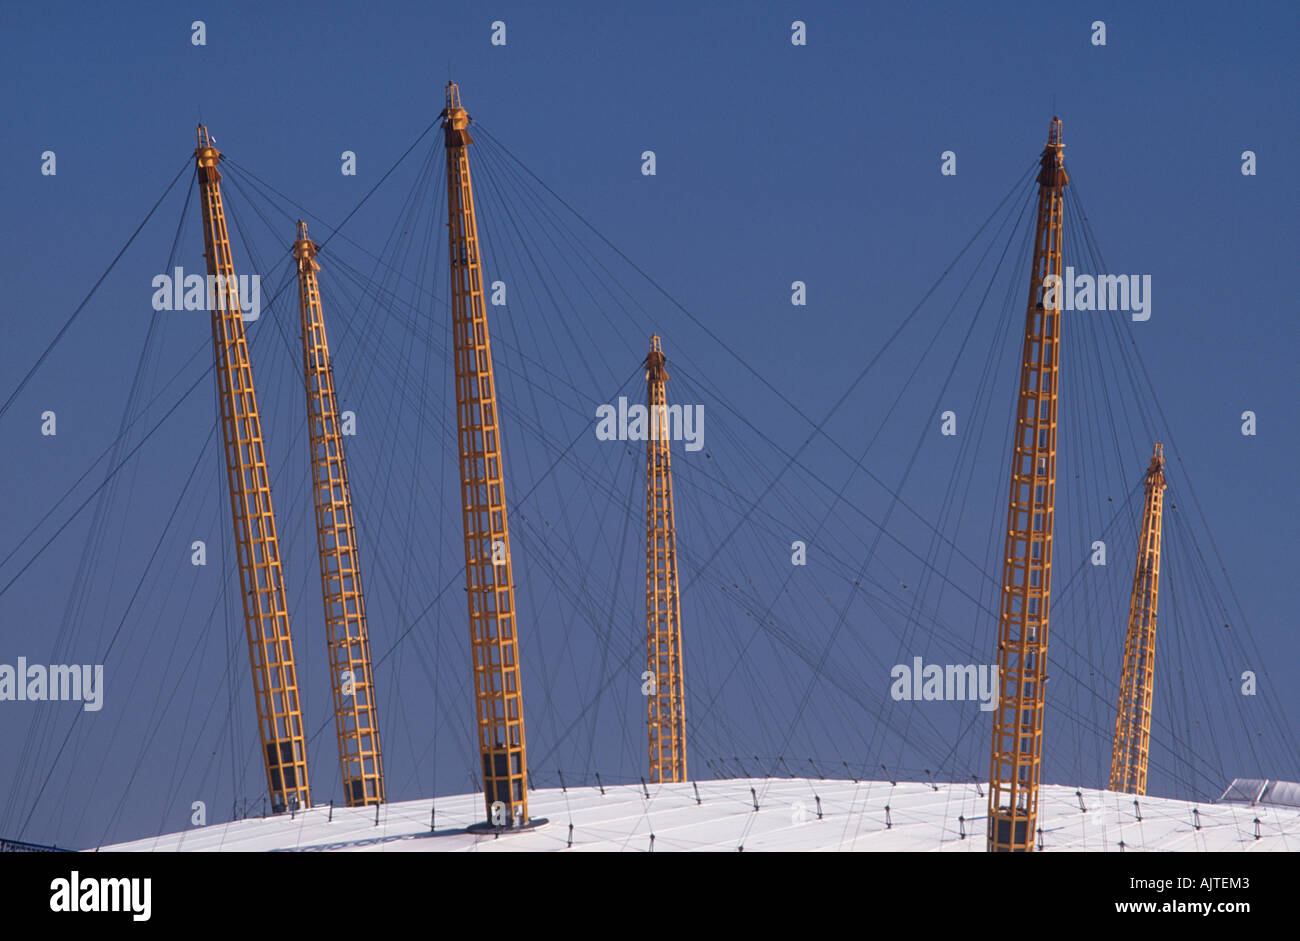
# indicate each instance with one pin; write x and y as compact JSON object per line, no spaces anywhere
{"x":352,"y":678}
{"x":1128,"y":762}
{"x":261,"y":578}
{"x":489,"y":577}
{"x":664,"y":689}
{"x":1027,"y":563}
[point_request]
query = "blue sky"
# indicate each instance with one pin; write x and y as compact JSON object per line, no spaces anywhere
{"x":775,"y":163}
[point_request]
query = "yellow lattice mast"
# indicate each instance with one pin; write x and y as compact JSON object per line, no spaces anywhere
{"x":665,"y":692}
{"x":489,"y":577}
{"x":1027,"y":563}
{"x":1128,"y":762}
{"x":261,"y":579}
{"x":355,"y":721}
